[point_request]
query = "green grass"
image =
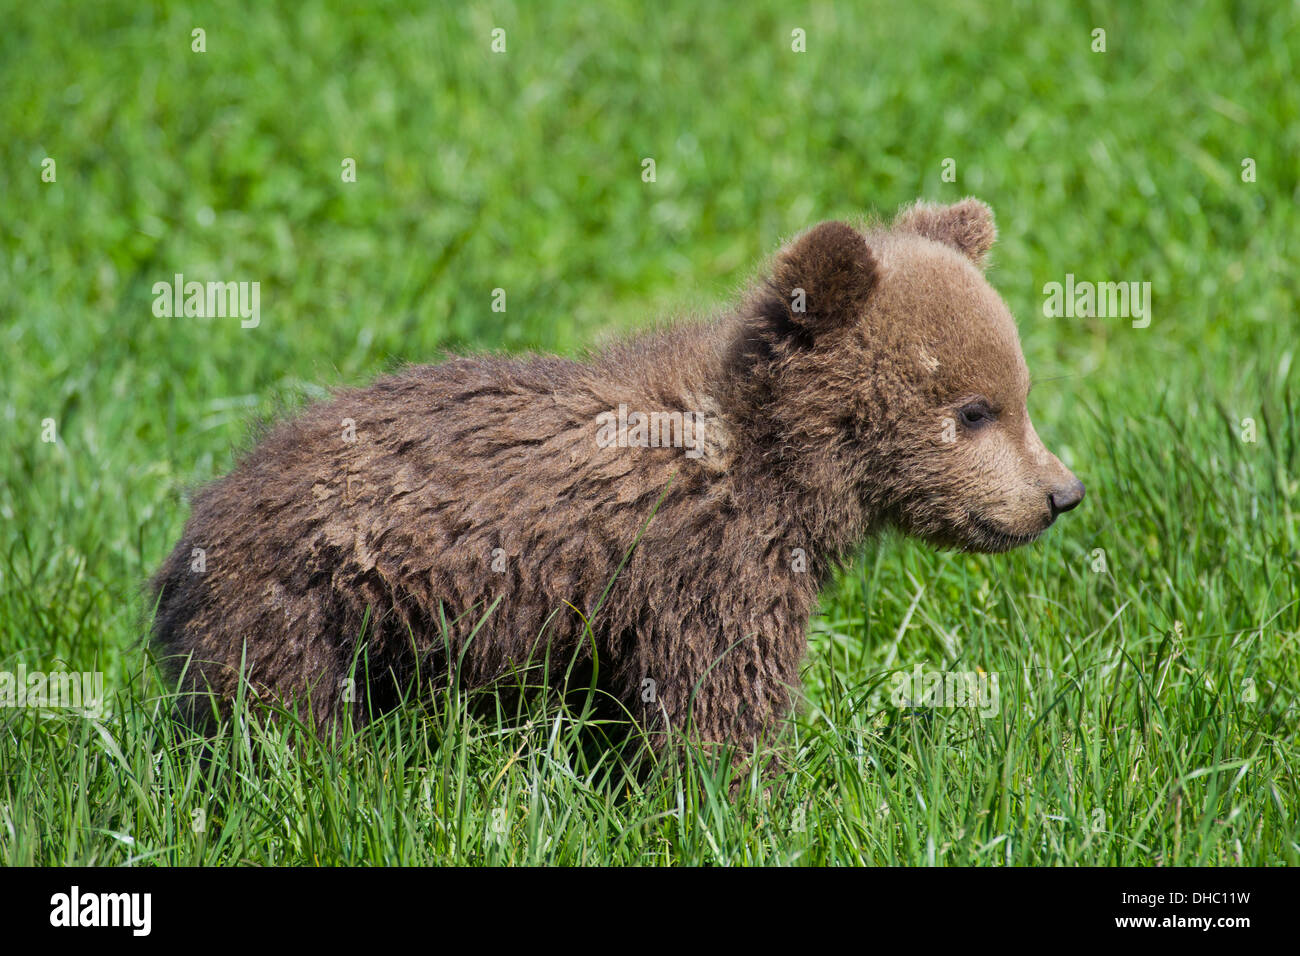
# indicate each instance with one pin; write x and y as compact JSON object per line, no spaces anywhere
{"x":1148,"y":711}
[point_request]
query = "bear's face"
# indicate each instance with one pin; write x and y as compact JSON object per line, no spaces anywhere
{"x":967,"y":467}
{"x":918,"y":360}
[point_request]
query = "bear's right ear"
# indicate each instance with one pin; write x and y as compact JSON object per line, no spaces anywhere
{"x":966,"y":226}
{"x":821,"y":281}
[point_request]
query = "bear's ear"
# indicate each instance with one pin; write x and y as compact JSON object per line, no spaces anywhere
{"x":820,"y":281}
{"x":967,"y":226}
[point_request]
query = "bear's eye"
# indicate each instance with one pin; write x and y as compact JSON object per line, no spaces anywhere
{"x":976,"y":414}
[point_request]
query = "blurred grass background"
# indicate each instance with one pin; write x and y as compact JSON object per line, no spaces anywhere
{"x":522,"y":171}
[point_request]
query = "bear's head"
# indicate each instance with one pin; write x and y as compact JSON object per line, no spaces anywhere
{"x":891,"y":370}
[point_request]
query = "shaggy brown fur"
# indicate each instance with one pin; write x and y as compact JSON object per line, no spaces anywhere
{"x":874,"y":379}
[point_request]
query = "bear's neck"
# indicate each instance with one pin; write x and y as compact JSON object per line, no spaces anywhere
{"x":772,"y":436}
{"x":791,"y":460}
{"x":803,"y":491}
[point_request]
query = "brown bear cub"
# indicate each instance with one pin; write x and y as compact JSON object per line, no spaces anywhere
{"x":664,"y":512}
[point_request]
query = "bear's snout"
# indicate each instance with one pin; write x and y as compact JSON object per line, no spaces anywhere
{"x":1068,"y":496}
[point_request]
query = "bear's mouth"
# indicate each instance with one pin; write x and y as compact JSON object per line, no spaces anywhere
{"x":994,"y":537}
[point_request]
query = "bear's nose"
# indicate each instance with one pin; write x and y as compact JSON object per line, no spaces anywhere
{"x":1063,"y":499}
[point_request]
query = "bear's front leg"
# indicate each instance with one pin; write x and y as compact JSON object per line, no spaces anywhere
{"x":710,"y":692}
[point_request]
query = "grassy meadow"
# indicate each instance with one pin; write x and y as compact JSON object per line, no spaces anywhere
{"x":1147,"y":650}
